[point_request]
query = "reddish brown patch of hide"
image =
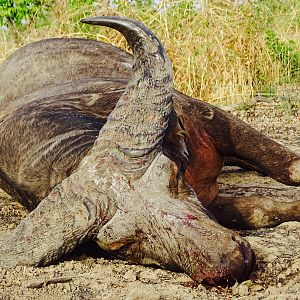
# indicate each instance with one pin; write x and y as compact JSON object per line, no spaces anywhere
{"x":205,"y":164}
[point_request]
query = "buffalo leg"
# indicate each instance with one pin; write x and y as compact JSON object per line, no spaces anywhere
{"x":251,"y":212}
{"x":234,"y":138}
{"x":246,"y":165}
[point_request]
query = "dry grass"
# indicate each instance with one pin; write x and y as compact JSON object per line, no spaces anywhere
{"x":219,"y":52}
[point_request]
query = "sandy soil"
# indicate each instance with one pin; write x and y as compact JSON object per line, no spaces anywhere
{"x":81,"y":276}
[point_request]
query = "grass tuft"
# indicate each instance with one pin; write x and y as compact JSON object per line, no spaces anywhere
{"x":222,"y":51}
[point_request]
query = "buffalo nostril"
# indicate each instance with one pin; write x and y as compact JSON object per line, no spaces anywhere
{"x":240,"y":262}
{"x":249,"y":259}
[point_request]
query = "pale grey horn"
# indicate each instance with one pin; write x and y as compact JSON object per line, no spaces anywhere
{"x":140,"y":118}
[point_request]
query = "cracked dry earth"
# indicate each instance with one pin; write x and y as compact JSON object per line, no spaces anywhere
{"x":81,"y":276}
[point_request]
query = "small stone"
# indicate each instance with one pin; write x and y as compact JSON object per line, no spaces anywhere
{"x":130,"y":276}
{"x":243,"y":290}
{"x":248,"y":283}
{"x":235,"y":289}
{"x":69,"y":265}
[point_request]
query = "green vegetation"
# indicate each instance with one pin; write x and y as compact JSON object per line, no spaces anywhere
{"x":22,"y":12}
{"x":222,"y":51}
{"x":286,"y":53}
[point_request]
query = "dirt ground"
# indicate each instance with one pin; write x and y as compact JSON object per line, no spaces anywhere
{"x":277,"y":276}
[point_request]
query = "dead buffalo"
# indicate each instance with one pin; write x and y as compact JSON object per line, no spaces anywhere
{"x":91,"y":144}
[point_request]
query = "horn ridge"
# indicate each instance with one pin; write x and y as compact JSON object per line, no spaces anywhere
{"x":138,"y":123}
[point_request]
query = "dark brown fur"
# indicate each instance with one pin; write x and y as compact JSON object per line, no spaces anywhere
{"x":87,"y":77}
{"x":71,"y":86}
{"x":122,"y":191}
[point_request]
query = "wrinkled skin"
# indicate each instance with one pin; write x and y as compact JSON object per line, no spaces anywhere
{"x":136,"y":204}
{"x":75,"y":84}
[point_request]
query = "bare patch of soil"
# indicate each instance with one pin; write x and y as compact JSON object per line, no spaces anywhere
{"x":83,"y":277}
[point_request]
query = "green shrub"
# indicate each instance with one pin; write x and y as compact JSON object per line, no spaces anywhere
{"x":284,"y":52}
{"x":22,"y":12}
{"x":222,"y":51}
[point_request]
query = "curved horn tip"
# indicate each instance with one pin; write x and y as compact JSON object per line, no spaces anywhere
{"x":131,"y":29}
{"x":122,"y":24}
{"x":106,"y":20}
{"x":103,"y":18}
